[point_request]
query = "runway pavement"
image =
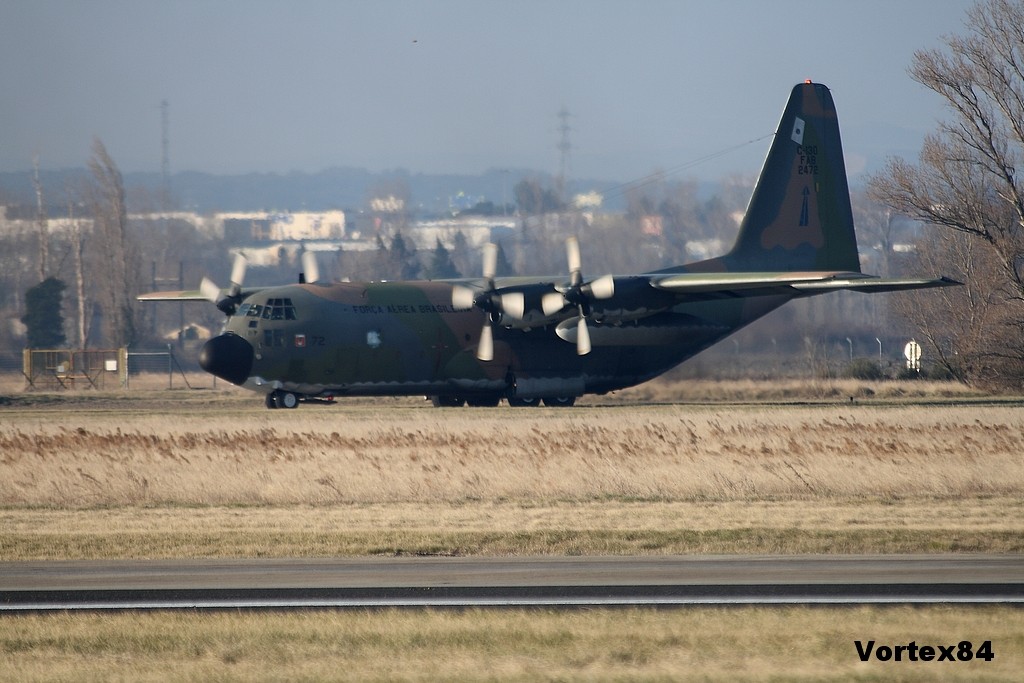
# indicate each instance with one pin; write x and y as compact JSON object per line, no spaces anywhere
{"x":511,"y":582}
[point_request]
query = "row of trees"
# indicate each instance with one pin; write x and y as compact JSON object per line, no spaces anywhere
{"x":93,"y":266}
{"x":102,"y":265}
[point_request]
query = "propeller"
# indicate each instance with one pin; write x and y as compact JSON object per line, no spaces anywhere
{"x":579,"y":294}
{"x":512,"y":304}
{"x":212,"y":292}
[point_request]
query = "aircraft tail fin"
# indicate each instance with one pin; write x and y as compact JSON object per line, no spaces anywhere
{"x":799,"y":217}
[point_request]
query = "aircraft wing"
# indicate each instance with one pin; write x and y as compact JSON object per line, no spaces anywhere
{"x":183,"y":295}
{"x":191,"y":295}
{"x":703,"y":285}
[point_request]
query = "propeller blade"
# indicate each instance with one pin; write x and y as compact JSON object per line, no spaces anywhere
{"x":490,"y":260}
{"x":310,"y":268}
{"x":582,"y":337}
{"x":239,"y":269}
{"x":552,"y":303}
{"x":209,"y":289}
{"x":463,"y":297}
{"x":238,"y":273}
{"x":513,"y":305}
{"x":485,"y":349}
{"x":572,"y":250}
{"x":603,"y":287}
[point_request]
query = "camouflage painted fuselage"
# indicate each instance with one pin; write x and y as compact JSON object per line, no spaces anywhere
{"x":797,"y":239}
{"x":406,"y":338}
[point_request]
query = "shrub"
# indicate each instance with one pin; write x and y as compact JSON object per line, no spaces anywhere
{"x":864,"y":368}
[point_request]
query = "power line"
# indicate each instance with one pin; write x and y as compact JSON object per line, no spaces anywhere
{"x":564,"y":149}
{"x":165,"y":159}
{"x":623,"y":188}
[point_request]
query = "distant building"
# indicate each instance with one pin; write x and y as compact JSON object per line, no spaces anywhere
{"x":478,"y":231}
{"x":257,"y":227}
{"x":54,"y":225}
{"x":245,"y":230}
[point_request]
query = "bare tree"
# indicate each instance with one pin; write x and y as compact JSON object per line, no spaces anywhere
{"x":877,"y":231}
{"x":42,"y":223}
{"x":966,"y":180}
{"x":120,"y":280}
{"x":973,"y":331}
{"x":77,"y":250}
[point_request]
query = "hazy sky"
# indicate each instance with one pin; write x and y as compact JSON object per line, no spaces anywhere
{"x":452,"y":85}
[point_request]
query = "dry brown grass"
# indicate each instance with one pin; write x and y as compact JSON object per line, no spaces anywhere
{"x":665,"y":389}
{"x":324,"y":456}
{"x":211,"y":473}
{"x":160,"y":474}
{"x":670,"y":389}
{"x":507,"y":528}
{"x":748,"y":644}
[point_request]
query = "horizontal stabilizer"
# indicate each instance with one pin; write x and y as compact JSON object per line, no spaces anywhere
{"x":876,"y":284}
{"x":699,"y":283}
{"x":788,"y":283}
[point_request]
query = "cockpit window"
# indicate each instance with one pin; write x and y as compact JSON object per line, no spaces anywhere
{"x":274,"y":309}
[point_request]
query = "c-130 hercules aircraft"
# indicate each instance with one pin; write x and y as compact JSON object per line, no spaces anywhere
{"x":552,"y":339}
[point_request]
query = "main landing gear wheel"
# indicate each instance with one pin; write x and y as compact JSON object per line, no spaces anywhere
{"x":282,"y":399}
{"x":559,"y":401}
{"x":516,"y":402}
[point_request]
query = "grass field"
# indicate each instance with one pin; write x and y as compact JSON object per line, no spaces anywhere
{"x":743,"y":644}
{"x":166,"y":474}
{"x":700,"y":468}
{"x":163,"y":474}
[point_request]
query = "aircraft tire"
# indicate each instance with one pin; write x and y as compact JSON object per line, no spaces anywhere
{"x":516,"y":402}
{"x":271,"y":401}
{"x":286,"y":399}
{"x":559,"y":401}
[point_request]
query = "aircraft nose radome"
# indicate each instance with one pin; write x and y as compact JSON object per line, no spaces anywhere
{"x":227,"y":356}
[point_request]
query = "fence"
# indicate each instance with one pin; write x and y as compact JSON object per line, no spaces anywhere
{"x":56,"y":369}
{"x":63,"y":369}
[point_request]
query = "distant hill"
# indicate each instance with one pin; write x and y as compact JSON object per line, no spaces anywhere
{"x":342,"y":187}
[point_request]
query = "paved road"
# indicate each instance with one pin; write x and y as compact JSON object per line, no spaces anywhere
{"x":536,"y":581}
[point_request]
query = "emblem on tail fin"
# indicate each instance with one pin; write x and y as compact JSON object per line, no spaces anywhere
{"x":805,"y":212}
{"x":798,"y":131}
{"x":799,"y":217}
